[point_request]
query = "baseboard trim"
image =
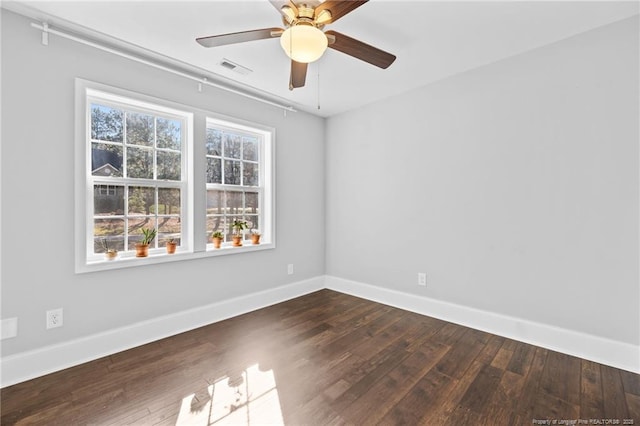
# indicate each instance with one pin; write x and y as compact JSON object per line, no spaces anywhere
{"x":39,"y":362}
{"x":594,"y":348}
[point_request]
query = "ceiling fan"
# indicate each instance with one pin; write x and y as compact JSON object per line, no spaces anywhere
{"x":303,"y":39}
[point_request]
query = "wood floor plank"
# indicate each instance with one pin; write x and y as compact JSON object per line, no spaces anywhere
{"x":633,"y":404}
{"x":501,"y":409}
{"x":561,"y":377}
{"x":591,"y":401}
{"x":502,"y":358}
{"x":615,"y":404}
{"x":551,"y":407}
{"x":326,"y":358}
{"x":442,"y":413}
{"x":490,"y":350}
{"x":460,"y":357}
{"x":630,"y":382}
{"x":379,"y":399}
{"x":422,"y":398}
{"x":521,"y":359}
{"x":481,"y":390}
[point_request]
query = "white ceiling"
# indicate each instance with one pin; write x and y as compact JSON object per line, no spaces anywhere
{"x":432,"y":40}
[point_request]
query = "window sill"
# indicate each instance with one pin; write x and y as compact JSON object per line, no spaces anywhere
{"x":157,"y":256}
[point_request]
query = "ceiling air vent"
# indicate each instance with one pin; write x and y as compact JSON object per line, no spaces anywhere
{"x":232,"y":66}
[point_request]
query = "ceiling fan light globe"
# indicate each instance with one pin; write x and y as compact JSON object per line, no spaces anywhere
{"x":303,"y":43}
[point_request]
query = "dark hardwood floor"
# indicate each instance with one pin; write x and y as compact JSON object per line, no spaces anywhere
{"x":329,"y":359}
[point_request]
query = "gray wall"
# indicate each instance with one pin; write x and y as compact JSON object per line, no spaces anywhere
{"x":38,"y":198}
{"x":513,"y":186}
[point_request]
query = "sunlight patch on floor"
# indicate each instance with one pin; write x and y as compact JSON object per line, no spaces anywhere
{"x":248,"y":398}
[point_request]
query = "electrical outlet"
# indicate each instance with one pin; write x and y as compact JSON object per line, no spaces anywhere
{"x":54,"y":318}
{"x":290,"y":269}
{"x":422,"y":279}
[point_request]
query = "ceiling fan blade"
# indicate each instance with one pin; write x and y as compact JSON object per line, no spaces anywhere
{"x":338,"y":8}
{"x":360,"y":50}
{"x":239,"y":37}
{"x":298,"y":74}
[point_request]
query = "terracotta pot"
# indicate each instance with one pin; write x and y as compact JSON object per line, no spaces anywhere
{"x":142,"y":250}
{"x":237,"y":240}
{"x":217,"y":242}
{"x":255,"y":238}
{"x":111,"y":254}
{"x":171,"y":247}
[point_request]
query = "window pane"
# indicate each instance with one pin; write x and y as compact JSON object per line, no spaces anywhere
{"x":135,"y":230}
{"x":168,"y":201}
{"x":232,"y":146}
{"x":253,"y":222}
{"x":214,"y":170}
{"x":215,"y":202}
{"x":169,"y":227}
{"x":251,"y":202}
{"x":106,"y":160}
{"x":168,"y":165}
{"x":215,"y":223}
{"x":106,"y":123}
{"x":250,"y":172}
{"x":139,"y":163}
{"x":108,"y":200}
{"x":230,"y":220}
{"x":108,"y":233}
{"x":232,"y":172}
{"x":168,"y":133}
{"x":214,"y":142}
{"x":234,"y":202}
{"x":139,"y":129}
{"x":141,"y":200}
{"x":250,"y":149}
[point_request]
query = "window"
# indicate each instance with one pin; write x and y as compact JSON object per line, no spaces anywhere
{"x":137,"y":170}
{"x":136,"y":166}
{"x":234,"y":177}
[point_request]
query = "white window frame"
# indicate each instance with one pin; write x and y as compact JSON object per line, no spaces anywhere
{"x":195,"y":241}
{"x":265,"y":187}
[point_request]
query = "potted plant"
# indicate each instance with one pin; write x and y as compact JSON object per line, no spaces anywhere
{"x":171,"y":245}
{"x":109,"y":253}
{"x":142,"y":248}
{"x":238,"y":226}
{"x":217,"y":238}
{"x":255,"y":236}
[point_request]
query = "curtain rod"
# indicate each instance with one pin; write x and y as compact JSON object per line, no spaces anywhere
{"x":46,"y":30}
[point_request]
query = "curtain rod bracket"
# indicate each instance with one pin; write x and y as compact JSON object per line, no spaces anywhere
{"x":45,"y":34}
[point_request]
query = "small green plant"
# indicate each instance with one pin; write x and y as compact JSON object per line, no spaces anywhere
{"x":238,"y":226}
{"x":149,"y":235}
{"x":217,"y":234}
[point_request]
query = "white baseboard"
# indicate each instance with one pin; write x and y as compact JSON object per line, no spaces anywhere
{"x":31,"y":364}
{"x":594,"y":348}
{"x":28,"y":365}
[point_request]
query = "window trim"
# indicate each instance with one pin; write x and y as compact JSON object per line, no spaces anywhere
{"x":195,"y":244}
